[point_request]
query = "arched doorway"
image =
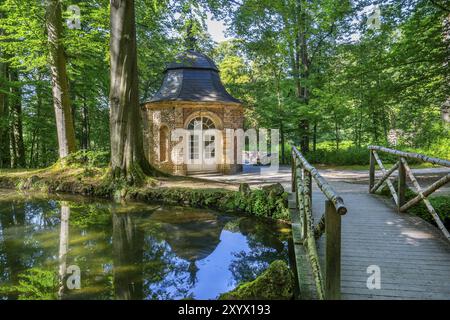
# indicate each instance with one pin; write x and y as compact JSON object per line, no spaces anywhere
{"x":201,"y":145}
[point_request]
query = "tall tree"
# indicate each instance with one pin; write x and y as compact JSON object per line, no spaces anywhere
{"x":5,"y":161}
{"x":127,"y":153}
{"x":60,"y":84}
{"x":16,"y":132}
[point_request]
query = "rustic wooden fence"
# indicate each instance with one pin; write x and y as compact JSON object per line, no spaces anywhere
{"x":328,"y":285}
{"x":403,"y":171}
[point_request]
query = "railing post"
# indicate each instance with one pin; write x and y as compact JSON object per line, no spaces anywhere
{"x":309,"y":185}
{"x":401,"y":185}
{"x":371,"y":170}
{"x":332,"y":252}
{"x":293,"y":172}
{"x":306,"y":195}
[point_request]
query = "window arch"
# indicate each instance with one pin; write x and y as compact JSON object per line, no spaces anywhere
{"x":163,"y":144}
{"x":202,"y":123}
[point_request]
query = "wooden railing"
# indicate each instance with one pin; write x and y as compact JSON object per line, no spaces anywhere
{"x":328,"y":285}
{"x":403,"y":170}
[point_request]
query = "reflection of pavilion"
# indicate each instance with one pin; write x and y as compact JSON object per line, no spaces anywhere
{"x":192,"y":235}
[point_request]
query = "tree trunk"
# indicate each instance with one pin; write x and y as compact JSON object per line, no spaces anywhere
{"x":60,"y":86}
{"x":5,"y":159}
{"x":34,"y":150}
{"x":85,"y":135}
{"x":127,"y":153}
{"x":315,"y":136}
{"x":302,"y":64}
{"x":336,"y":131}
{"x":63,"y":246}
{"x":445,"y":106}
{"x":15,"y":102}
{"x":128,"y":248}
{"x":283,"y":151}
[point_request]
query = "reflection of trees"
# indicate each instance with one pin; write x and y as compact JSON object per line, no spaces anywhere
{"x":21,"y":248}
{"x":265,"y":247}
{"x":63,"y":246}
{"x":12,"y":219}
{"x":128,"y":246}
{"x":163,"y":270}
{"x":126,"y":252}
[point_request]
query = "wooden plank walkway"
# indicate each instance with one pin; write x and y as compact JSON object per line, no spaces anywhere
{"x":413,"y":257}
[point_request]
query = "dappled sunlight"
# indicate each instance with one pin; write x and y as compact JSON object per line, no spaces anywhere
{"x":416,"y":234}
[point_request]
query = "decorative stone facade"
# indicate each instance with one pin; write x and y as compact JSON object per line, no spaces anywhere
{"x":177,"y":115}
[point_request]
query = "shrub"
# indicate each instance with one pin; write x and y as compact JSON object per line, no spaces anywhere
{"x":441,"y":205}
{"x":349,"y":154}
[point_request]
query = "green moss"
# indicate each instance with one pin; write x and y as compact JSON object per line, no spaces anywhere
{"x":268,"y":202}
{"x":276,"y":283}
{"x":259,"y":202}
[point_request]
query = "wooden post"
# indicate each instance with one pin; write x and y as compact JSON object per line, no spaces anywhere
{"x":293,"y":169}
{"x":308,"y":180}
{"x":401,"y":185}
{"x":332,"y":252}
{"x":307,"y":200}
{"x":371,"y":171}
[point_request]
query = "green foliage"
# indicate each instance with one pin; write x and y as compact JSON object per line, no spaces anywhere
{"x":88,"y":159}
{"x":259,"y":202}
{"x":358,"y":85}
{"x":349,"y":154}
{"x":34,"y":284}
{"x":441,"y":204}
{"x":89,"y":216}
{"x":364,"y":86}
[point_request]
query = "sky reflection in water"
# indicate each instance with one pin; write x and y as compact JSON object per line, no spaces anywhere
{"x":131,"y":251}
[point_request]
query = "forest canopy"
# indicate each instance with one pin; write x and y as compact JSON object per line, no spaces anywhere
{"x":332,"y":76}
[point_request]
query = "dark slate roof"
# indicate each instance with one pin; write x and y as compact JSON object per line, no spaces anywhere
{"x":192,"y":77}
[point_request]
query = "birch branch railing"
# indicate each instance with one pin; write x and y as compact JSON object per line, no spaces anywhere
{"x":403,"y":170}
{"x":328,"y":285}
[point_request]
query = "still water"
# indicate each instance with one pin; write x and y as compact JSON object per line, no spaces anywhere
{"x":128,"y":251}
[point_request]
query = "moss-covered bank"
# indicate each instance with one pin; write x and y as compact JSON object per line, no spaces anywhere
{"x":276,"y":283}
{"x":269,"y":202}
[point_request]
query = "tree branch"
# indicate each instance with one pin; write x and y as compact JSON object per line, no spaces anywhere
{"x":440,"y":6}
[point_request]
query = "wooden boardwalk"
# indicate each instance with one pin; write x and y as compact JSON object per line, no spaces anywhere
{"x":413,"y":256}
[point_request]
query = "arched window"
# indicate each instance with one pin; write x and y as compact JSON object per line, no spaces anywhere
{"x":209,"y":151}
{"x":163,"y":144}
{"x":201,"y":123}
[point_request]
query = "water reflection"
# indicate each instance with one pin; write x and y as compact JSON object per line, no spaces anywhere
{"x":63,"y":246}
{"x":132,"y":251}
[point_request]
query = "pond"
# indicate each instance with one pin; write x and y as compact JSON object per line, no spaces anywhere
{"x":128,"y":251}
